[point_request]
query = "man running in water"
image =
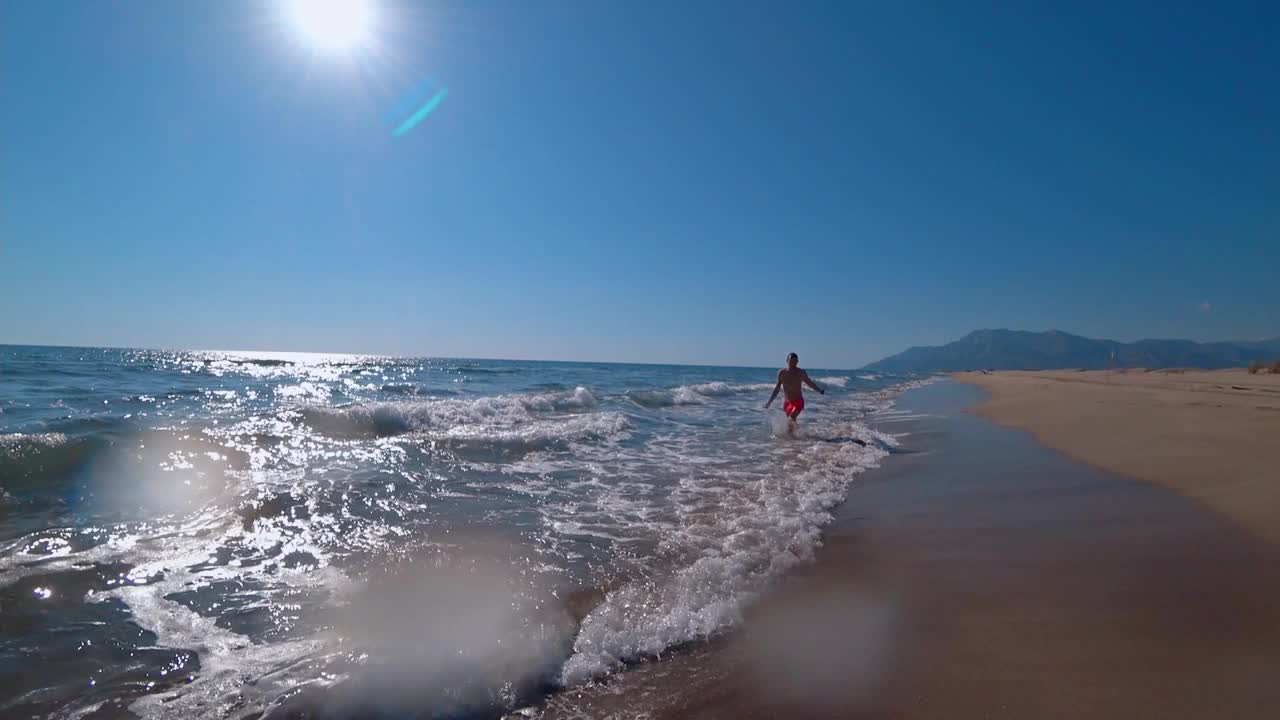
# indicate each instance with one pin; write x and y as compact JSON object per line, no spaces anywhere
{"x":790,"y":379}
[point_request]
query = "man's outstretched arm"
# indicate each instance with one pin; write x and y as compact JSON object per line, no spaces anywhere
{"x":777,"y":386}
{"x":810,"y":383}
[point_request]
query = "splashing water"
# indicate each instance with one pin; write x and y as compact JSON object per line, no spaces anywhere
{"x":216,"y":534}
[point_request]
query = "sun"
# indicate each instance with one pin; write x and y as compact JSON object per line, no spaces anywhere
{"x":332,"y":25}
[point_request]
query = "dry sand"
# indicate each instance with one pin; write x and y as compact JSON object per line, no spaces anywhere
{"x":1211,"y":435}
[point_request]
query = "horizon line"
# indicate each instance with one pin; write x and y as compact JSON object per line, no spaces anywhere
{"x":408,"y":357}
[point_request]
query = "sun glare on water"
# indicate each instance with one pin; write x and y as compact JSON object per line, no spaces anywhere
{"x":332,"y":25}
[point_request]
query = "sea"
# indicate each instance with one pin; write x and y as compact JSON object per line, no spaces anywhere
{"x":218,"y":534}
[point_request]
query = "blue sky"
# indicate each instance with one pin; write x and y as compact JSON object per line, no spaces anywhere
{"x":669,"y":182}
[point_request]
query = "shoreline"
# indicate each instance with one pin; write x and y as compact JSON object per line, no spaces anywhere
{"x":1213,"y":436}
{"x":979,"y":574}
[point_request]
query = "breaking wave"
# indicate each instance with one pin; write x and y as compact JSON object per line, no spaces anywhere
{"x":697,"y":394}
{"x":32,"y":457}
{"x":281,"y":534}
{"x":383,"y":419}
{"x":751,"y":530}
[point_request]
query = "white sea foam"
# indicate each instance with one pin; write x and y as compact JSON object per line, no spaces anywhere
{"x":664,"y":398}
{"x":227,"y":659}
{"x":740,"y":527}
{"x":697,"y":394}
{"x":14,"y":444}
{"x":445,"y":415}
{"x":717,"y":389}
{"x":536,"y":433}
{"x":742,"y":531}
{"x":236,"y":673}
{"x":685,"y":514}
{"x":837,"y":380}
{"x":432,"y":634}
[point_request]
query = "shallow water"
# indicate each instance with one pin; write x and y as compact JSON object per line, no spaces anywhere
{"x":220,"y":534}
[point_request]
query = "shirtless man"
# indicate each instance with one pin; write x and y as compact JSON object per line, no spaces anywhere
{"x":790,"y":380}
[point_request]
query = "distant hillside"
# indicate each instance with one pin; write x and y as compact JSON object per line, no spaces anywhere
{"x":1022,"y":350}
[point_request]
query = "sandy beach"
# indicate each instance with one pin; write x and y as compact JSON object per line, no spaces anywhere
{"x":1211,"y":435}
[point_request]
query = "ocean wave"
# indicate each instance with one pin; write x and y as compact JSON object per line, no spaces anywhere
{"x":383,"y":419}
{"x":655,"y":399}
{"x":247,"y":512}
{"x":300,"y":391}
{"x":19,"y":444}
{"x":837,"y":380}
{"x":260,"y":362}
{"x":579,"y":398}
{"x":716,"y":389}
{"x":400,"y":388}
{"x":697,"y":394}
{"x":437,"y":636}
{"x":473,"y":370}
{"x":315,"y":367}
{"x":538,"y":434}
{"x":33,"y":457}
{"x":117,"y":476}
{"x":749,"y":534}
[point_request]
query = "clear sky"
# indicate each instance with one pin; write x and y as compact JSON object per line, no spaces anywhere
{"x":705,"y":182}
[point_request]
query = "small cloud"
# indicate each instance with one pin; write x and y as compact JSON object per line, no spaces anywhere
{"x":1205,"y":306}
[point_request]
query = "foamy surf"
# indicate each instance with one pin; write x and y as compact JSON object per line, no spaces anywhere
{"x":442,"y":415}
{"x":697,"y":394}
{"x":765,"y":524}
{"x":216,"y":521}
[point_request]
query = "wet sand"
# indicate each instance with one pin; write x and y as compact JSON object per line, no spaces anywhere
{"x":981,"y":575}
{"x":1211,"y":435}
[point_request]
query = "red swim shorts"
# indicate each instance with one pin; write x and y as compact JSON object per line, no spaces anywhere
{"x":792,"y":408}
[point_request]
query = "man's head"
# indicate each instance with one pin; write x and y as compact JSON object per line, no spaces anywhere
{"x":792,"y":360}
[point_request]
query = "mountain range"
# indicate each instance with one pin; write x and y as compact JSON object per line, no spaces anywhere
{"x":1052,"y":350}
